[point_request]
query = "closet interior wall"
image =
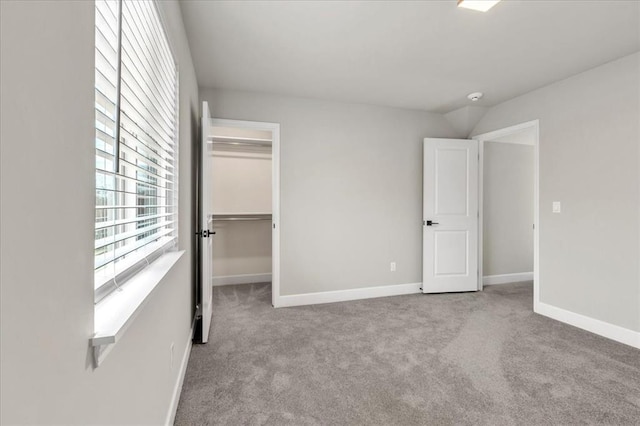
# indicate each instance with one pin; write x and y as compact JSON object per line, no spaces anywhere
{"x":508,"y":208}
{"x":241,"y":175}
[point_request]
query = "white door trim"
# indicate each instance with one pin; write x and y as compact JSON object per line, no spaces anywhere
{"x":274,"y":128}
{"x":485,"y":137}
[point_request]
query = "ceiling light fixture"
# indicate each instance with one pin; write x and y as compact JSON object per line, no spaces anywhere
{"x":480,"y":5}
{"x":475,"y":97}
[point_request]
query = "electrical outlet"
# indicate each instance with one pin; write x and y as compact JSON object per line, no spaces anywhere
{"x":392,"y":267}
{"x":556,"y":207}
{"x":171,"y":355}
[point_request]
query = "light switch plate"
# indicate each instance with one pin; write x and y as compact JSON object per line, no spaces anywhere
{"x":557,"y":208}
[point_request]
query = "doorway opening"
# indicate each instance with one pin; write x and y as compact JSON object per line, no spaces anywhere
{"x":508,"y":243}
{"x":239,"y":209}
{"x":243,"y":202}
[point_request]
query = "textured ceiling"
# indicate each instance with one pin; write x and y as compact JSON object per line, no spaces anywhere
{"x":426,"y":55}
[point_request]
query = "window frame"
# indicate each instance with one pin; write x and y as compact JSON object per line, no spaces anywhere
{"x":128,"y":264}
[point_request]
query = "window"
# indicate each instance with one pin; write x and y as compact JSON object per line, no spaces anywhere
{"x":136,"y":91}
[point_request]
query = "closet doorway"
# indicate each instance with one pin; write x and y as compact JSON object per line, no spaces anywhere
{"x":524,"y":137}
{"x":239,"y":207}
{"x":243,"y":202}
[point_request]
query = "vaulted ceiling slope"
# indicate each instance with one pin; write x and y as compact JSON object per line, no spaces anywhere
{"x":424,"y":55}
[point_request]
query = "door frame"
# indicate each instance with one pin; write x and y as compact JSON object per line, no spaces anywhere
{"x":533,"y":125}
{"x":274,"y":128}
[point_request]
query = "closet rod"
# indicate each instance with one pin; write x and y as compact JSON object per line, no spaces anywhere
{"x":238,"y":141}
{"x":241,"y":218}
{"x":265,"y":145}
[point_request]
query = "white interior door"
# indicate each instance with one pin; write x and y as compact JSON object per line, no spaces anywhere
{"x":450,"y":216}
{"x":206,"y":229}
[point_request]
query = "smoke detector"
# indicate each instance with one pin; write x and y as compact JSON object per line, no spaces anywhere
{"x":475,"y":97}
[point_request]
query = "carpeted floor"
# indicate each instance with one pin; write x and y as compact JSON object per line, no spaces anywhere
{"x":465,"y":358}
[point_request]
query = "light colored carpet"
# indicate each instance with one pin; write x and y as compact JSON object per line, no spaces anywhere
{"x":465,"y":358}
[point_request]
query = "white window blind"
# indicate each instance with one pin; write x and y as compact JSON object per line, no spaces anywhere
{"x":136,"y":131}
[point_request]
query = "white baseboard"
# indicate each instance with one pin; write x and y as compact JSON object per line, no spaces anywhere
{"x":240,"y":279}
{"x":601,"y":328}
{"x":507,"y":278}
{"x":177,"y":389}
{"x":345,"y":295}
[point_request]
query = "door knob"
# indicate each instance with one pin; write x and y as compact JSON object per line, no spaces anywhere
{"x":431,"y":223}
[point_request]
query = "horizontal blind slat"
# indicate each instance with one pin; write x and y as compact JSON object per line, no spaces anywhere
{"x":134,"y":119}
{"x":107,"y":241}
{"x":103,"y":225}
{"x":140,"y":169}
{"x":108,"y":155}
{"x":165,"y":73}
{"x":107,"y":272}
{"x":144,"y":139}
{"x":150,"y":206}
{"x":128,"y":178}
{"x":139,"y":69}
{"x":128,"y":249}
{"x":133,"y":91}
{"x":118,"y":191}
{"x":138,"y":148}
{"x":146,"y":55}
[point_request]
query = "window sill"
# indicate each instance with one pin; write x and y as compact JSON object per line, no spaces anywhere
{"x":116,"y":312}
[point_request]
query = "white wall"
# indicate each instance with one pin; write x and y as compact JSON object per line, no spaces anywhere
{"x":351,"y":188}
{"x":242,"y":248}
{"x":241,"y":184}
{"x":507,"y":208}
{"x":589,"y":160}
{"x":47,"y":215}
